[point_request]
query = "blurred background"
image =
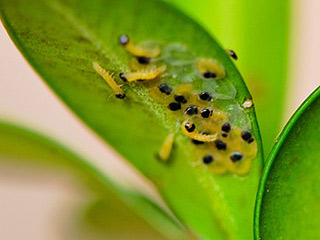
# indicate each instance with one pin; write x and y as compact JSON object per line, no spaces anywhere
{"x":279,"y":57}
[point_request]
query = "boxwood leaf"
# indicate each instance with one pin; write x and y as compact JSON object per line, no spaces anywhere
{"x":62,"y":38}
{"x":288,"y":198}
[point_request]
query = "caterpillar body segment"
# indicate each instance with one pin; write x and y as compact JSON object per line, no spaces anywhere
{"x":108,"y":77}
{"x":166,"y":147}
{"x":202,"y":137}
{"x":142,"y":53}
{"x":189,"y":130}
{"x":143,"y":74}
{"x":136,"y":65}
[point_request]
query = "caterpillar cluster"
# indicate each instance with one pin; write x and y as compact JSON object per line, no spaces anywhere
{"x":193,"y":89}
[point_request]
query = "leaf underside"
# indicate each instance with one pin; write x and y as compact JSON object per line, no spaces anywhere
{"x":61,"y":39}
{"x":288,"y":202}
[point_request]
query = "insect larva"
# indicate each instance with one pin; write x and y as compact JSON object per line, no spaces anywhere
{"x":142,"y":53}
{"x":166,"y":148}
{"x":210,"y":68}
{"x":144,"y":74}
{"x":189,"y":130}
{"x":232,"y":54}
{"x":108,"y":77}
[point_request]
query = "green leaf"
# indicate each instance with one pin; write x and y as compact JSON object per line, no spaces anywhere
{"x":289,"y":196}
{"x":62,"y":38}
{"x":258,"y":31}
{"x":108,"y":206}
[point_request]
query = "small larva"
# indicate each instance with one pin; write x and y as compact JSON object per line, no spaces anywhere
{"x":189,"y":130}
{"x":108,"y":77}
{"x":165,"y":150}
{"x":141,"y":75}
{"x":210,"y":68}
{"x":219,"y":141}
{"x":142,"y":53}
{"x":232,"y":54}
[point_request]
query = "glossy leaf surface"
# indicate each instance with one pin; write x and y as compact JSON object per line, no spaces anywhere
{"x":61,"y":39}
{"x":288,"y":198}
